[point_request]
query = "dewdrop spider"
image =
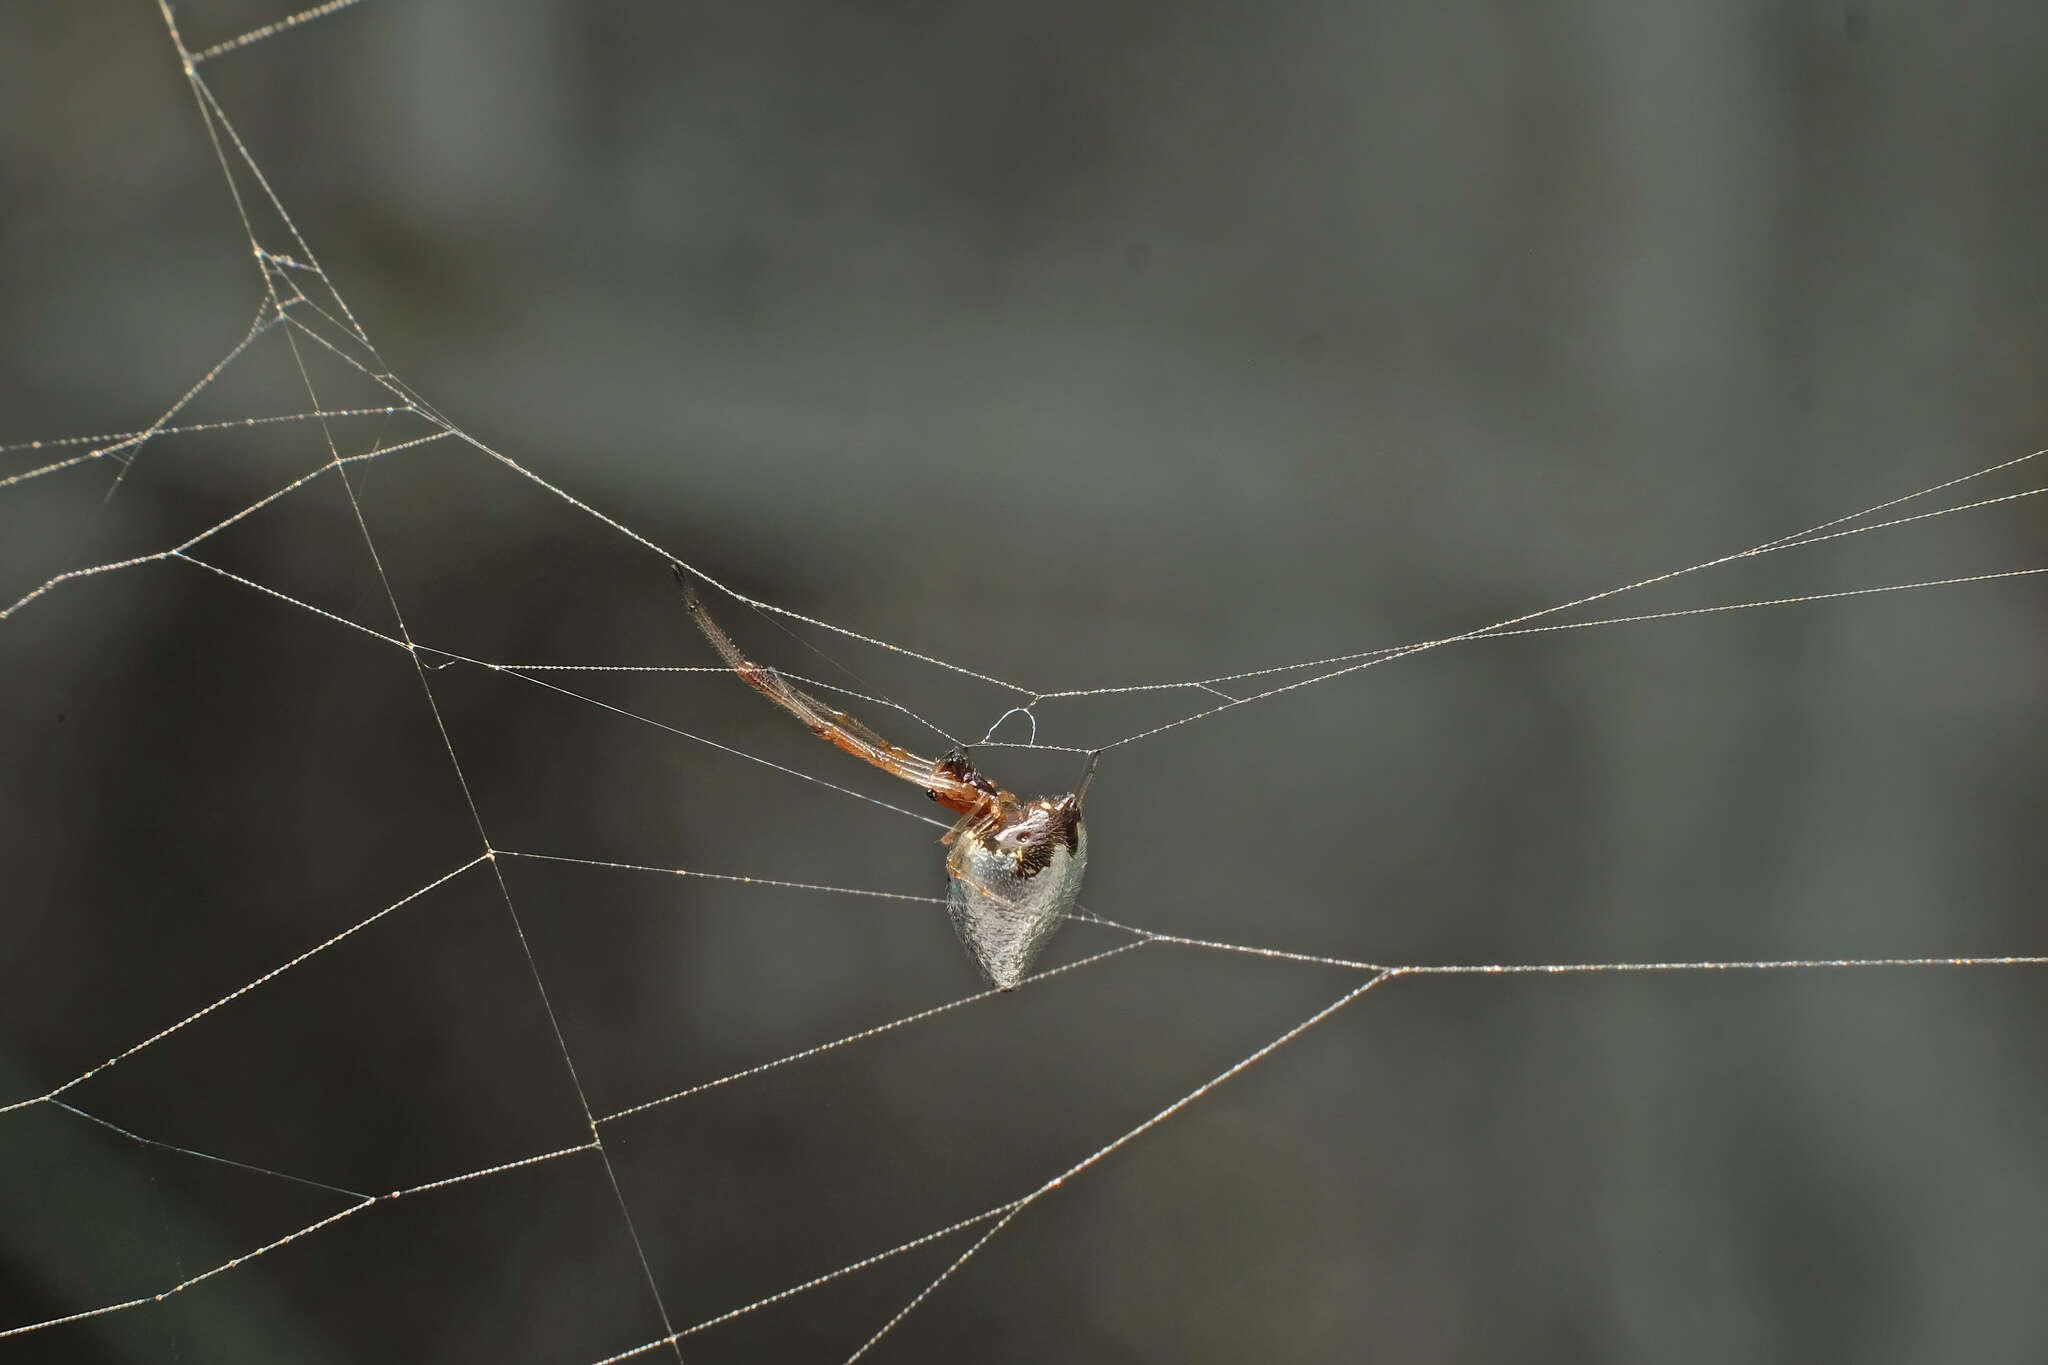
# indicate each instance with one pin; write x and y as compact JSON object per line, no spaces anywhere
{"x":1014,"y":869}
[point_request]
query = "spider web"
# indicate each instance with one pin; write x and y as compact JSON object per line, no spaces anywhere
{"x":470,"y":968}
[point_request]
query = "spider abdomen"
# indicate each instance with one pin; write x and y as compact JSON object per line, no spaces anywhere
{"x":1012,"y":886}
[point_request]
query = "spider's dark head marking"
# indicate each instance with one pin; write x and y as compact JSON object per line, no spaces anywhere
{"x":1034,"y":857}
{"x":1030,"y":831}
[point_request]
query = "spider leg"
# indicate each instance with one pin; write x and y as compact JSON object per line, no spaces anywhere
{"x":1087,"y":778}
{"x":945,"y":783}
{"x":960,"y":877}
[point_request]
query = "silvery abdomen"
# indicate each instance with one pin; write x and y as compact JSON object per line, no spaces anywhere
{"x":1015,"y":887}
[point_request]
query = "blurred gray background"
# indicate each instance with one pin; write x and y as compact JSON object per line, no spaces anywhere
{"x":1081,"y":346}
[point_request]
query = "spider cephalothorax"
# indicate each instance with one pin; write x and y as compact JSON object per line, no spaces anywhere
{"x":1014,"y":869}
{"x":954,"y":769}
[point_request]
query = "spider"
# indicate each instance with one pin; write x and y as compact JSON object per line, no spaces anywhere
{"x":1014,"y":869}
